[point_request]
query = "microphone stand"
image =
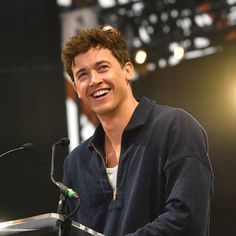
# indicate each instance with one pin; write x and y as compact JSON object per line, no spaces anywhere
{"x":66,"y":193}
{"x":26,"y":147}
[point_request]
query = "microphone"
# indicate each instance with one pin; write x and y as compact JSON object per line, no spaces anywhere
{"x":26,"y":147}
{"x":68,"y":192}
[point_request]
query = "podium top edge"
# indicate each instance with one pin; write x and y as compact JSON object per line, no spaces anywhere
{"x":47,"y":220}
{"x":50,"y":218}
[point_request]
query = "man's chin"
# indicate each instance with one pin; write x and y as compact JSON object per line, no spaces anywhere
{"x":102,"y":110}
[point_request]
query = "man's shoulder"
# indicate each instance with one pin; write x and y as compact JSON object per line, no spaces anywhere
{"x":170,"y":114}
{"x":147,"y":101}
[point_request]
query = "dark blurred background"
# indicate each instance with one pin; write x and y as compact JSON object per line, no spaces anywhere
{"x":34,"y":90}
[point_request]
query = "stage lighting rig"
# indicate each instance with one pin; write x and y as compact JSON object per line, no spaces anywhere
{"x":172,"y":30}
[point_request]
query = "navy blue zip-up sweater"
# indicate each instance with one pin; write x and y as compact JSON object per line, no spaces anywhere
{"x":164,"y":182}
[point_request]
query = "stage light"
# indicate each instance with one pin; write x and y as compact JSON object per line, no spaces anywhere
{"x":232,"y":15}
{"x":123,"y":1}
{"x":201,"y":42}
{"x":151,"y":66}
{"x":64,"y":3}
{"x":178,"y":53}
{"x":231,"y":2}
{"x":162,"y":63}
{"x":173,"y":61}
{"x":202,"y":52}
{"x":203,"y":20}
{"x":144,"y":35}
{"x":174,"y":13}
{"x":140,"y":56}
{"x":166,"y":29}
{"x":153,"y":18}
{"x":138,"y":8}
{"x":107,"y":4}
{"x":185,"y":24}
{"x":137,"y":42}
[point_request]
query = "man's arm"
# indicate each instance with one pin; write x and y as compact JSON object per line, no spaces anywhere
{"x":189,"y":181}
{"x":188,"y":195}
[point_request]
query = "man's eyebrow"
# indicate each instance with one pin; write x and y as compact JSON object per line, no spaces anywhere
{"x":101,"y":62}
{"x":96,"y":64}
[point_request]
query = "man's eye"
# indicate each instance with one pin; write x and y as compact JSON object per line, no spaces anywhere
{"x":103,"y":67}
{"x":81,"y":75}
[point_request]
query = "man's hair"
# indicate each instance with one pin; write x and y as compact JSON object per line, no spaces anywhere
{"x":110,"y":38}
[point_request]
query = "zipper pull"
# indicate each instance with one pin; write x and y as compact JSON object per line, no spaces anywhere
{"x":114,"y":195}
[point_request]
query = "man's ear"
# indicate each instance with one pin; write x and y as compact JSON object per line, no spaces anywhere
{"x":74,"y":86}
{"x":129,"y":69}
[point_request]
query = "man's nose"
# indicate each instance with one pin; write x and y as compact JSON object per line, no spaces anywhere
{"x":95,"y":78}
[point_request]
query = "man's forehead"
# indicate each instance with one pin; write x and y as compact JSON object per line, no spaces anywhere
{"x":97,"y":50}
{"x":93,"y":55}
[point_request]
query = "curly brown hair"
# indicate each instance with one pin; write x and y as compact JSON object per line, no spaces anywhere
{"x":110,"y":38}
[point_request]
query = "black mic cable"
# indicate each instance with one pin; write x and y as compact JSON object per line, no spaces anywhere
{"x":67,"y":192}
{"x":25,"y":147}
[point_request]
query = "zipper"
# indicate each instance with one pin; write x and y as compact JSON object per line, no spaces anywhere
{"x":114,"y":194}
{"x":114,"y":190}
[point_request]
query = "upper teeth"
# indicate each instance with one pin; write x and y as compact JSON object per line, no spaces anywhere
{"x":99,"y":93}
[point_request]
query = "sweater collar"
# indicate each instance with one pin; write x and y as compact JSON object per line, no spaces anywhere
{"x":139,"y":117}
{"x":141,"y":113}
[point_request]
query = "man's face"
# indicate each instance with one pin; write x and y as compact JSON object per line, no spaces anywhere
{"x":101,"y":82}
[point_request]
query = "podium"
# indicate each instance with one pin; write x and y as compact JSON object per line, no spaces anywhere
{"x":48,"y":224}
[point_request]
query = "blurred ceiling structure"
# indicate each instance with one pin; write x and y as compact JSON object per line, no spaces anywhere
{"x":167,"y":31}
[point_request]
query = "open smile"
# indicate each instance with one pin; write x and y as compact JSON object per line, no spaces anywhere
{"x":100,"y":93}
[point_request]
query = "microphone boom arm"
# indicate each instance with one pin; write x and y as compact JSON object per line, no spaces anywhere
{"x":68,"y":192}
{"x":26,"y":147}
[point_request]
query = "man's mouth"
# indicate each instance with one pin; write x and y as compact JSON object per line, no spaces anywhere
{"x":100,"y":93}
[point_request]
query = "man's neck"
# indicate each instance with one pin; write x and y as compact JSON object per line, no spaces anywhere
{"x":114,"y":124}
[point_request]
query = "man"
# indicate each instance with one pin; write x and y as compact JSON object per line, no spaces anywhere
{"x":146,"y":170}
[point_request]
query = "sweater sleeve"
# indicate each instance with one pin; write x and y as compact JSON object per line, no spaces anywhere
{"x":187,"y":208}
{"x":188,"y":183}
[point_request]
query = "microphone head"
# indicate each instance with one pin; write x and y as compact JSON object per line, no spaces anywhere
{"x":28,"y":147}
{"x":64,"y":141}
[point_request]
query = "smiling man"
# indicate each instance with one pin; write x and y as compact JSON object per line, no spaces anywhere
{"x":101,"y":81}
{"x":146,"y":170}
